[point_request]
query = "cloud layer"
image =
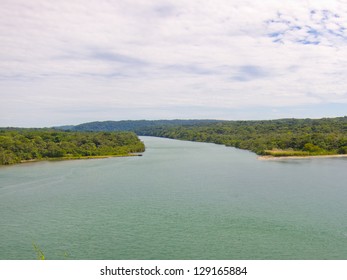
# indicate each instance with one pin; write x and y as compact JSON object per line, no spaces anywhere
{"x":74,"y":61}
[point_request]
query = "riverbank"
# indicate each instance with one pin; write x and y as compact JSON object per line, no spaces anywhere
{"x":79,"y":158}
{"x":268,"y":157}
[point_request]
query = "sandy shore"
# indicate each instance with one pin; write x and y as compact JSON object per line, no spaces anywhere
{"x":299,"y":157}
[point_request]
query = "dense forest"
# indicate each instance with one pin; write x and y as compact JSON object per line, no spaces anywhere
{"x":18,"y":145}
{"x":283,"y":137}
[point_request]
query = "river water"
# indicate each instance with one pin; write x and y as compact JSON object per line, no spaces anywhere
{"x":180,"y":200}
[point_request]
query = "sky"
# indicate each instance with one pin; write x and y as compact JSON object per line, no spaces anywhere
{"x":75,"y":61}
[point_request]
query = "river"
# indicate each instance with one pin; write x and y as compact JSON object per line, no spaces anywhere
{"x":180,"y":200}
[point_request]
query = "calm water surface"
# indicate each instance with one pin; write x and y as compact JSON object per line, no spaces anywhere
{"x":180,"y":200}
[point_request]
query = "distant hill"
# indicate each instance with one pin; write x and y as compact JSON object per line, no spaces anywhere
{"x":137,"y":126}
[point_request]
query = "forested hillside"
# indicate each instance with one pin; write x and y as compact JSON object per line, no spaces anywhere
{"x":17,"y":145}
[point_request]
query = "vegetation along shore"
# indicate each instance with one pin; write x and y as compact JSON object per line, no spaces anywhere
{"x":27,"y":145}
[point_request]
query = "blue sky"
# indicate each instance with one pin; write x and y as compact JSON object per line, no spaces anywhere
{"x":74,"y":61}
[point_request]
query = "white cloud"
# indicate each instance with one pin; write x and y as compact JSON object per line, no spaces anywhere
{"x":73,"y":60}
